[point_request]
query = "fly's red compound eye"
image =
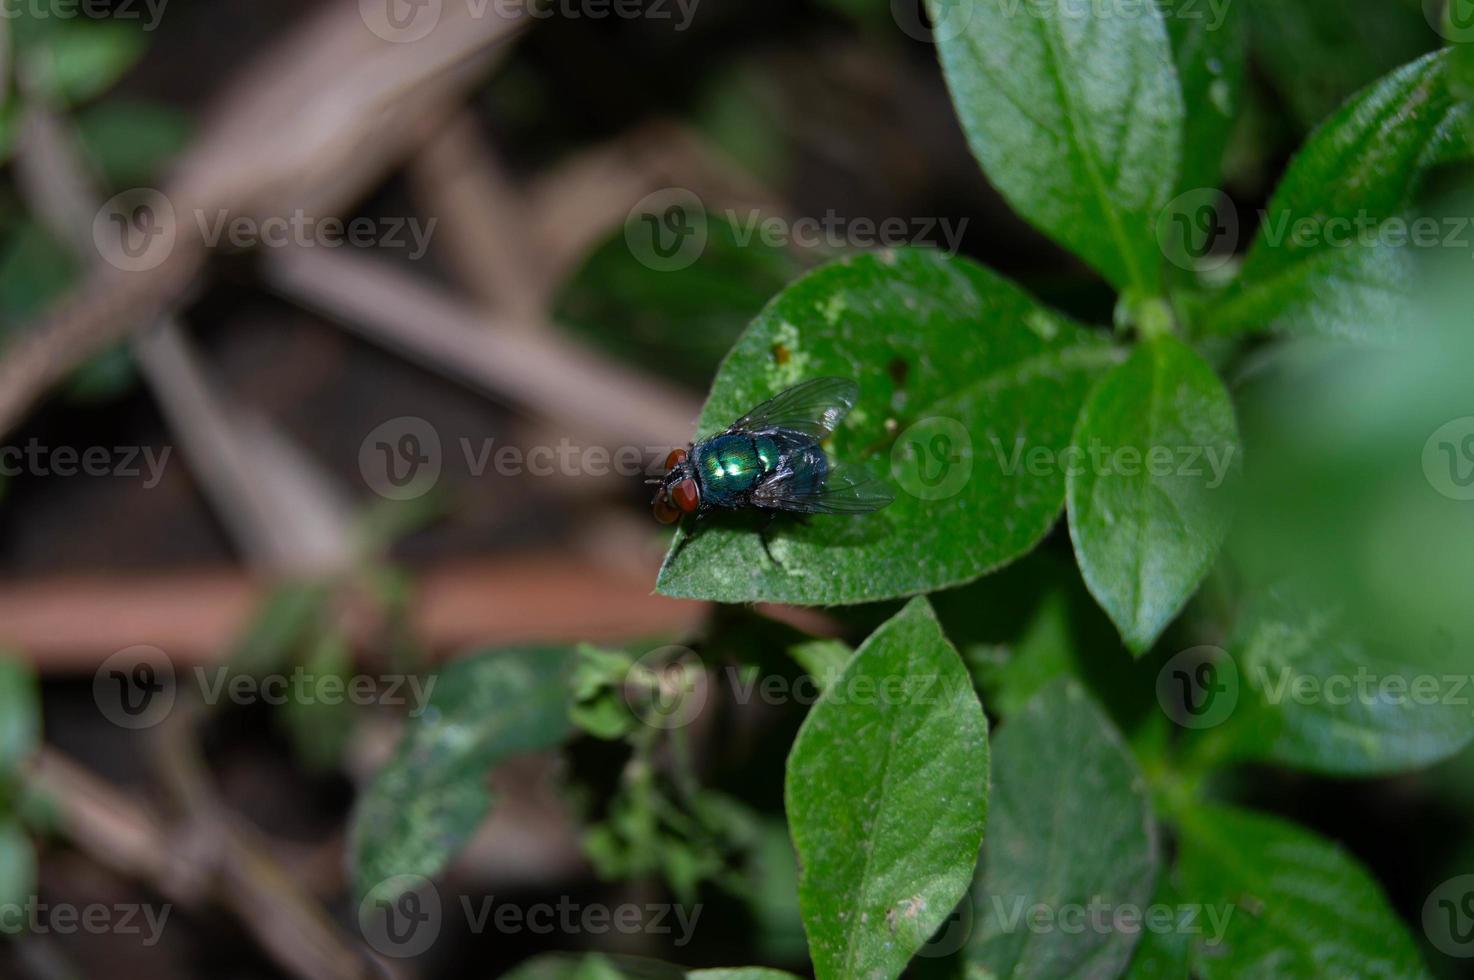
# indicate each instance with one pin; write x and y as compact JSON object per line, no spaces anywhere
{"x":676,"y":458}
{"x":664,"y":512}
{"x":685,"y":495}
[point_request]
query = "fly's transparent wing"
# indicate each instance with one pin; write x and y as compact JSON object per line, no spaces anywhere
{"x":844,"y":490}
{"x":812,"y":408}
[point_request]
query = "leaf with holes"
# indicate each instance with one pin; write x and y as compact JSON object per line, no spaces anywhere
{"x":966,"y":385}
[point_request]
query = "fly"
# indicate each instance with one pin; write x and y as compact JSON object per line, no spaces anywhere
{"x":771,"y":459}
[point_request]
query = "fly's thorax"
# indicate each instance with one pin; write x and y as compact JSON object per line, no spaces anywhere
{"x":728,"y":464}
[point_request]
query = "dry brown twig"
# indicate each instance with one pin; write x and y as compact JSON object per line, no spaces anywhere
{"x":312,"y":126}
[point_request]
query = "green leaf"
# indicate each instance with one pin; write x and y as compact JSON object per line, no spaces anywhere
{"x":823,"y":660}
{"x":84,"y":58}
{"x":887,"y":795}
{"x":34,"y":269}
{"x":1295,"y":905}
{"x":599,"y":706}
{"x":1346,"y":708}
{"x":131,"y":142}
{"x":1164,"y":954}
{"x":680,"y":321}
{"x":1208,"y":47}
{"x":1318,"y":52}
{"x":1076,"y":116}
{"x":1071,"y":825}
{"x":20,"y":713}
{"x":961,"y":377}
{"x":1326,"y":260}
{"x":592,"y":966}
{"x":1155,"y":448}
{"x":741,"y":973}
{"x":17,"y":873}
{"x":425,"y":804}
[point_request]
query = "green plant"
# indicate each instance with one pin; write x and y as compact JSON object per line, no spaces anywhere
{"x":1103,"y":126}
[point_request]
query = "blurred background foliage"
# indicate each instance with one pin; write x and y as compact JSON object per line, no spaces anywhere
{"x":824,"y":104}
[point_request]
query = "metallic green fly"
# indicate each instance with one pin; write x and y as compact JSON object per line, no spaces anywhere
{"x":771,"y":459}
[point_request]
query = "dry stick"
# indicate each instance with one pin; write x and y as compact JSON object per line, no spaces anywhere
{"x":486,"y":236}
{"x":227,"y":867}
{"x":195,"y":613}
{"x":313,"y":125}
{"x":581,"y":200}
{"x":533,"y":368}
{"x":283,"y":511}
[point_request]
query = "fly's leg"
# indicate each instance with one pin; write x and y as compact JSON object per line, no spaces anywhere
{"x":696,"y":526}
{"x":762,"y":535}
